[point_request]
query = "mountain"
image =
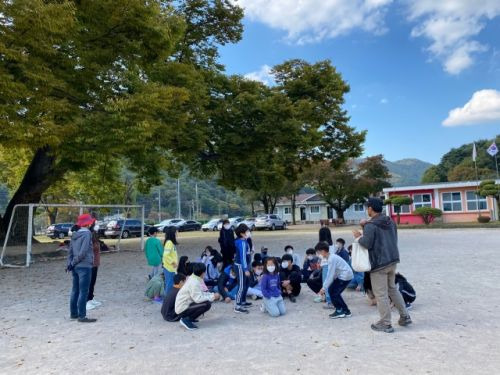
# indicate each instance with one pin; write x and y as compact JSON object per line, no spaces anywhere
{"x":407,"y":171}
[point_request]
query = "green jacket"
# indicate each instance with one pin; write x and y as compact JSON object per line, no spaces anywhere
{"x":155,"y":287}
{"x":153,"y":251}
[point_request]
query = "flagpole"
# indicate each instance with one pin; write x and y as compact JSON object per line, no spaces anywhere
{"x":474,"y":157}
{"x":496,"y":162}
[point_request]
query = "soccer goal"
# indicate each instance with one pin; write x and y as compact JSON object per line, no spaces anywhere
{"x":40,"y":229}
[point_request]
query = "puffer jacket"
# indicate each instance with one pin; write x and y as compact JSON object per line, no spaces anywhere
{"x":380,"y":237}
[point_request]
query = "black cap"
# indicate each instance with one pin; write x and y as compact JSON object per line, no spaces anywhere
{"x":376,"y":204}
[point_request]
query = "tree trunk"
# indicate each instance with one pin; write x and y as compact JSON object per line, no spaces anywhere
{"x":253,"y":208}
{"x":39,"y":176}
{"x":273,"y":202}
{"x":340,"y":214}
{"x":265,"y":203}
{"x":52,"y":215}
{"x":294,"y":203}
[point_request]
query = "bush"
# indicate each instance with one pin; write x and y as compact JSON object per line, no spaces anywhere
{"x":428,"y":214}
{"x":483,"y":219}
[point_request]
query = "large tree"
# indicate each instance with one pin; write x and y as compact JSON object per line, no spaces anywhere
{"x":342,"y":186}
{"x":123,"y":79}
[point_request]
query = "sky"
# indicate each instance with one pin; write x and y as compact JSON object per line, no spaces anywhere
{"x":424,"y":74}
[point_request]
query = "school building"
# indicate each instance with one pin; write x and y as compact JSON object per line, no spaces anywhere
{"x":457,"y":200}
{"x":311,"y":209}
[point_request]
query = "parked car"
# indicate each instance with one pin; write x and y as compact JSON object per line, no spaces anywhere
{"x":212,"y":225}
{"x":233,"y":221}
{"x":189,"y":225}
{"x":131,"y":227}
{"x":58,"y":230}
{"x":249,"y":222}
{"x":163,"y":224}
{"x":270,"y":222}
{"x":100,"y":228}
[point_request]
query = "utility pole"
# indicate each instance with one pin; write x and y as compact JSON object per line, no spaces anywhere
{"x":159,"y":204}
{"x":178,"y":198}
{"x":197,"y":203}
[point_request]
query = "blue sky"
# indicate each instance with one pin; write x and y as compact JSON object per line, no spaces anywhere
{"x":408,"y":65}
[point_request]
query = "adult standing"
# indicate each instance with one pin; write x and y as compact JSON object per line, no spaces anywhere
{"x":380,"y":238}
{"x":226,"y":242}
{"x":96,"y":249}
{"x":80,"y":262}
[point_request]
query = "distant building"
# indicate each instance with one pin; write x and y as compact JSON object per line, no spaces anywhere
{"x":457,"y":200}
{"x":311,"y":208}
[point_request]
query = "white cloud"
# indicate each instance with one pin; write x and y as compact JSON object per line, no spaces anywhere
{"x":451,"y":25}
{"x":483,"y":107}
{"x":262,"y":75}
{"x":384,"y":101}
{"x":307,"y":21}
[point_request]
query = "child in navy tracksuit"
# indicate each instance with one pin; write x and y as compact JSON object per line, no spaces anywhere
{"x":241,"y":263}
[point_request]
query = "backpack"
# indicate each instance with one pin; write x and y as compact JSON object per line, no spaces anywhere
{"x":405,"y":288}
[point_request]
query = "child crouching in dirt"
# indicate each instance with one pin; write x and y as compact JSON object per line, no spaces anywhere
{"x":156,"y":288}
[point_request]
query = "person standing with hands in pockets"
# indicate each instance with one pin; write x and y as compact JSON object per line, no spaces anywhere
{"x":241,"y":263}
{"x":170,"y":259}
{"x":381,"y":239}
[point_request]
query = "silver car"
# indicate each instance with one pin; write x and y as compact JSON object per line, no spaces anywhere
{"x":211,"y":225}
{"x":249,"y":222}
{"x":270,"y":222}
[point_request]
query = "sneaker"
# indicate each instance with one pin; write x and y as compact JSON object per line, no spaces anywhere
{"x":254,"y":297}
{"x":379,"y":327}
{"x":329,"y":306}
{"x":337,"y":314}
{"x":90,"y":306}
{"x":408,"y":306}
{"x":87,"y":320}
{"x":240,"y":310}
{"x":347,"y":313}
{"x":292,"y":298}
{"x":73,"y":317}
{"x":186,"y":323}
{"x":262,"y":308}
{"x":158,"y":301}
{"x":318,"y":299}
{"x":96,"y":303}
{"x":404,"y":321}
{"x":246,"y":304}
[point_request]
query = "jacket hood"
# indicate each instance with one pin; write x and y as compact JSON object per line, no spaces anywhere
{"x":382,"y":221}
{"x":80,"y":233}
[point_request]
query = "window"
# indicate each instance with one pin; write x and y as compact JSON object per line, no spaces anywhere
{"x":452,"y":202}
{"x":274,"y":217}
{"x":359,"y":207}
{"x":315,"y":209}
{"x":422,"y":200}
{"x":404,"y":209}
{"x":473,"y":199}
{"x":288,"y":210}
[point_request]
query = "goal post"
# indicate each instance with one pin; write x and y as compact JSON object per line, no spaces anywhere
{"x":34,"y":220}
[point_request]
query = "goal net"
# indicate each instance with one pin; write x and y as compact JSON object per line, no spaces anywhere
{"x":41,"y":230}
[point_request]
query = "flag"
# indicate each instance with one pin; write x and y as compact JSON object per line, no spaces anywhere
{"x":493,"y":149}
{"x":474,"y":152}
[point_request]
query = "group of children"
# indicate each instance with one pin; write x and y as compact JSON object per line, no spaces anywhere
{"x":187,"y":289}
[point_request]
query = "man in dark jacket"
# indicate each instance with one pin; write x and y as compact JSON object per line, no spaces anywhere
{"x":381,"y":239}
{"x":80,"y":263}
{"x":226,"y":242}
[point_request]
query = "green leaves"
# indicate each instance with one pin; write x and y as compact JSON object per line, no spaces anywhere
{"x":428,"y":214}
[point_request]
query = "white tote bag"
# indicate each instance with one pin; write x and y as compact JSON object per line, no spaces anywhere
{"x":360,"y":258}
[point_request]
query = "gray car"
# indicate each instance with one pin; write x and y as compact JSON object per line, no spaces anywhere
{"x":270,"y":222}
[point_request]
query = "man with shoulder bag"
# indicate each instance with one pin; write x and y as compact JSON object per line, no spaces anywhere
{"x":380,"y":238}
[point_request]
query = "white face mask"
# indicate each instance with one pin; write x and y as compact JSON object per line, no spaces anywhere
{"x":232,"y":276}
{"x":338,"y":246}
{"x":211,"y":257}
{"x":289,"y":251}
{"x":284,"y":264}
{"x":258,"y":272}
{"x":271,"y":268}
{"x":310,"y":257}
{"x":219,"y":266}
{"x":227,"y":226}
{"x":248,"y":234}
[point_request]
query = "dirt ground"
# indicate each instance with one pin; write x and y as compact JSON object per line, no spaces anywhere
{"x":456,"y":329}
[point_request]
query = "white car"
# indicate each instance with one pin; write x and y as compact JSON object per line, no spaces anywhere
{"x":233,"y":221}
{"x":270,"y":222}
{"x":249,"y":222}
{"x":212,"y":225}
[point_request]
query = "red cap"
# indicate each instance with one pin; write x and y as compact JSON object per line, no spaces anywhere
{"x":85,"y":220}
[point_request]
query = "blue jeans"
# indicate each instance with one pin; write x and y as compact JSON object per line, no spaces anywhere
{"x":324,"y":273}
{"x":169,"y":280}
{"x":80,"y":292}
{"x":155,"y":270}
{"x":335,"y":290}
{"x":275,"y":306}
{"x":231,"y":294}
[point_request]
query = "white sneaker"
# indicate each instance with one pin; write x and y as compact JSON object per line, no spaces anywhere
{"x":262,"y":308}
{"x":90,"y":305}
{"x":254,"y":297}
{"x":96,"y":303}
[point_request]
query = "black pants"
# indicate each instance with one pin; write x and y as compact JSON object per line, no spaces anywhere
{"x":93,"y":278}
{"x":315,"y":283}
{"x":195,"y":310}
{"x":335,"y":291}
{"x":242,"y":279}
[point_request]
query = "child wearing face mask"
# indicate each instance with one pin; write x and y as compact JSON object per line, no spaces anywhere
{"x":227,"y":286}
{"x":226,"y":242}
{"x":271,"y":289}
{"x":341,"y":251}
{"x":311,"y":264}
{"x":296,"y":257}
{"x":214,"y":267}
{"x":290,"y":277}
{"x":254,"y":287}
{"x":241,"y":263}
